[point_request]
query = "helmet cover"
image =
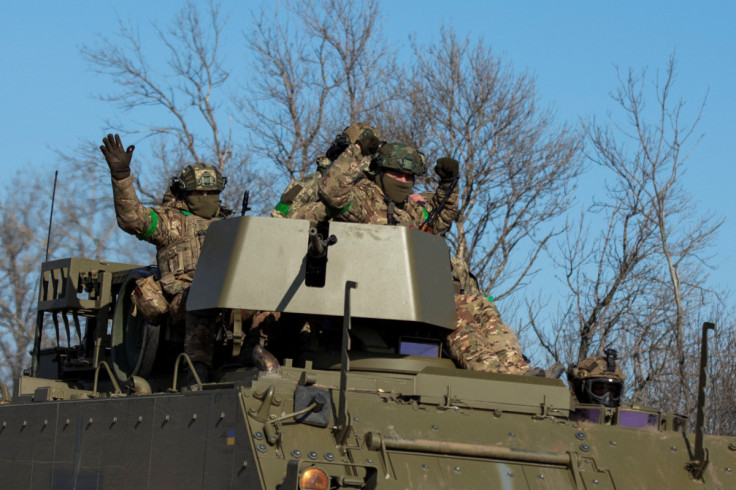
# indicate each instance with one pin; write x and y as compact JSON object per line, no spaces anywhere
{"x":401,"y":158}
{"x":199,"y":177}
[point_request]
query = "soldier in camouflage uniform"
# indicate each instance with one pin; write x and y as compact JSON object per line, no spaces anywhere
{"x":481,"y":342}
{"x":597,"y":379}
{"x":304,"y":191}
{"x":177,"y":228}
{"x":349,"y":196}
{"x":301,"y":191}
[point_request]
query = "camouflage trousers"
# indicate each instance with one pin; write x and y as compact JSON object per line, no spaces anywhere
{"x":199,"y":343}
{"x":481,"y":342}
{"x":202,"y":326}
{"x":199,"y":327}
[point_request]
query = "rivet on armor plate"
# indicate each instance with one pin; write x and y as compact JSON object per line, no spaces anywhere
{"x":595,"y":482}
{"x":90,"y":421}
{"x":673,"y":448}
{"x":580,"y":435}
{"x":166,"y":418}
{"x":434,"y":427}
{"x":457,"y":469}
{"x":312,"y":455}
{"x":585,"y":448}
{"x":330,"y":457}
{"x":25,"y":423}
{"x":368,"y":460}
{"x":356,"y":419}
{"x":612,"y":443}
{"x":140,"y":418}
{"x":45,"y":422}
{"x":194,"y":416}
{"x":67,"y":422}
{"x":511,"y":434}
{"x":541,"y":477}
{"x":296,"y":453}
{"x":262,"y":448}
{"x":114,"y":420}
{"x":258,"y":435}
{"x":728,"y":469}
{"x":425,"y":467}
{"x":510,"y":474}
{"x":222,"y":415}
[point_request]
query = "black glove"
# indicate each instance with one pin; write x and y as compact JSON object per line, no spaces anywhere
{"x":447,"y":169}
{"x":117,"y":158}
{"x":368,"y":144}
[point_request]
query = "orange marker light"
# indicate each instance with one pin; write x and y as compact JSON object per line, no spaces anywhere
{"x":314,"y":479}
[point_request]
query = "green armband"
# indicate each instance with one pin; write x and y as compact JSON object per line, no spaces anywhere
{"x":151,"y":229}
{"x":282,"y":208}
{"x":334,"y":211}
{"x":426,"y":214}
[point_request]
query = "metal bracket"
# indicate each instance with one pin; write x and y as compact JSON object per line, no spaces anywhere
{"x":267,"y":398}
{"x":102,"y":364}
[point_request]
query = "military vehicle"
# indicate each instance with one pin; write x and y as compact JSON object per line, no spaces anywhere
{"x":362,"y":396}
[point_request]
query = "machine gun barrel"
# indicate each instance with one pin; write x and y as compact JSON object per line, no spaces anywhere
{"x":317,"y":244}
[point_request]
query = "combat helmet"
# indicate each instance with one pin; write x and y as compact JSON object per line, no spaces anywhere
{"x":401,"y":158}
{"x":597,"y":379}
{"x":198,"y":177}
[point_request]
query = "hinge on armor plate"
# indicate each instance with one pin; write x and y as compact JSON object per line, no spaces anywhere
{"x":449,"y":401}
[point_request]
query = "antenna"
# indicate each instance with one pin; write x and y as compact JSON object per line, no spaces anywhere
{"x":36,"y":353}
{"x":51,"y":215}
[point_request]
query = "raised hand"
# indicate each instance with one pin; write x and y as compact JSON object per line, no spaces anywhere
{"x":117,"y":158}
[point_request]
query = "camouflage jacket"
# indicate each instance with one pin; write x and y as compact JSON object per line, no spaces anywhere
{"x":349,"y":196}
{"x":177,"y":233}
{"x":297,"y":194}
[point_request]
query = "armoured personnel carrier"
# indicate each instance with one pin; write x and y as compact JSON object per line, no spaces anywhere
{"x":362,"y":396}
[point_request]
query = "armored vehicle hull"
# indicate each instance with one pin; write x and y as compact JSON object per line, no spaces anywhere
{"x":367,"y":412}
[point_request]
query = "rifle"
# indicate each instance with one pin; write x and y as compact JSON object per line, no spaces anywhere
{"x":246,"y":198}
{"x":431,"y":221}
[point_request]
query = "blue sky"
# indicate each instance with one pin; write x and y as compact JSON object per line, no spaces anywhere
{"x":572,"y":47}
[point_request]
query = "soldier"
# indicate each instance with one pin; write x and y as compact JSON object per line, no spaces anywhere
{"x":304,"y":191}
{"x":348,"y":196}
{"x":597,"y":379}
{"x":177,"y":228}
{"x":481,"y":342}
{"x":301,"y":191}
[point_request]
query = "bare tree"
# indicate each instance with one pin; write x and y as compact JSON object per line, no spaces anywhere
{"x":23,"y":247}
{"x":319,"y":67}
{"x":193,"y":120}
{"x":641,"y":285}
{"x":720,"y":409}
{"x":518,"y":166}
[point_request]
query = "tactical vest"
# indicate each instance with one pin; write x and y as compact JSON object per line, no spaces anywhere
{"x":179,"y":257}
